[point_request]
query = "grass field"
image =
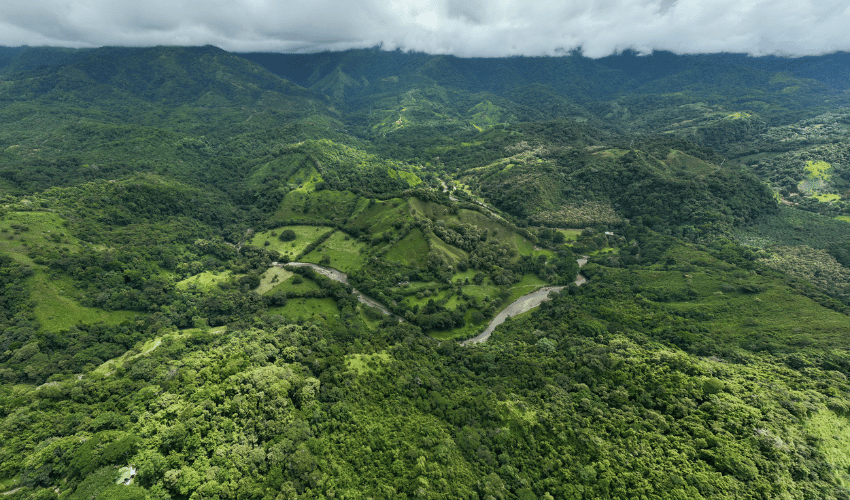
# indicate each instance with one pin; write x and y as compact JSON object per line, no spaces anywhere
{"x":366,"y":363}
{"x":21,"y":231}
{"x":304,"y":235}
{"x":410,"y":251}
{"x":207,"y":280}
{"x":570,"y":234}
{"x":109,"y":366}
{"x":56,"y":311}
{"x":317,"y":206}
{"x":298,"y":310}
{"x":833,"y":440}
{"x":271,"y":278}
{"x":345,"y":253}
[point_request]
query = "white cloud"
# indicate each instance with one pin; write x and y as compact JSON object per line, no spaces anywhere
{"x":460,"y":27}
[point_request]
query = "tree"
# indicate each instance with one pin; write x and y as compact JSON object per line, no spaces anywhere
{"x":287,"y":235}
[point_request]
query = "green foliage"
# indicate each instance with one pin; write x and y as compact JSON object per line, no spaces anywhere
{"x":145,"y":194}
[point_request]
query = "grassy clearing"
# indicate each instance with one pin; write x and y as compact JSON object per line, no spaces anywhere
{"x":290,"y":286}
{"x":55,"y":311}
{"x":410,"y":251}
{"x":686,"y":162}
{"x":314,"y":310}
{"x":570,"y":234}
{"x":528,"y":284}
{"x":461,"y":277}
{"x":345,"y":253}
{"x":738,"y":307}
{"x":109,"y":366}
{"x":819,"y":169}
{"x":304,"y":235}
{"x":827,"y":198}
{"x":833,"y":433}
{"x":306,"y":179}
{"x":21,"y":231}
{"x":376,"y":217}
{"x":206,"y":281}
{"x":271,"y":278}
{"x":366,"y":363}
{"x":451,"y":253}
{"x":317,"y":206}
{"x":482,"y":291}
{"x":844,"y":218}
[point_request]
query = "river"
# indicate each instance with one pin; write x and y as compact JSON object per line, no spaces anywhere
{"x":523,"y":304}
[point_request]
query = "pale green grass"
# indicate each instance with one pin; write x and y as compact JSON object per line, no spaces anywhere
{"x":528,"y":284}
{"x":206,"y":280}
{"x":366,"y":363}
{"x":55,"y":310}
{"x":410,"y":250}
{"x":481,"y":291}
{"x":306,"y":178}
{"x":345,"y":253}
{"x":108,"y":367}
{"x":844,"y":218}
{"x":288,"y":286}
{"x":304,"y":235}
{"x":819,"y":169}
{"x":314,"y":310}
{"x":411,"y":178}
{"x":413,"y":300}
{"x":451,"y":253}
{"x":21,"y":231}
{"x":570,"y":234}
{"x":833,"y":433}
{"x":827,"y":197}
{"x":271,"y":278}
{"x":461,"y":277}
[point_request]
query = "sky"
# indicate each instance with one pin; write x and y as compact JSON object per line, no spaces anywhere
{"x":466,"y":28}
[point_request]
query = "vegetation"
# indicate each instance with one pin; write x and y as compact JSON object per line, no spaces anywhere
{"x":155,"y":343}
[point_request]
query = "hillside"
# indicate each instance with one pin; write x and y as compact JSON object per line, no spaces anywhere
{"x":248,"y":276}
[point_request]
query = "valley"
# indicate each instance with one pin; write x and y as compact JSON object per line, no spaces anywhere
{"x":377,"y":274}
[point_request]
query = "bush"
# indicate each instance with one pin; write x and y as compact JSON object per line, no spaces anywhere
{"x":287,"y":235}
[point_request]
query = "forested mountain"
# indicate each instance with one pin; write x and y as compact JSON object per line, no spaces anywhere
{"x":249,"y":275}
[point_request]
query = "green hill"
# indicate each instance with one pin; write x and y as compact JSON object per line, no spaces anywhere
{"x":247,"y":276}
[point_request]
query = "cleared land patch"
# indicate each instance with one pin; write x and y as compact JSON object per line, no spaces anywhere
{"x":206,"y":280}
{"x":304,"y":236}
{"x":340,"y":251}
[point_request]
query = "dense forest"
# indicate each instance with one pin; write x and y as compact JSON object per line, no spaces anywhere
{"x":251,"y":276}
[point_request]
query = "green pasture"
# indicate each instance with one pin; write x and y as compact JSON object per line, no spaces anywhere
{"x":366,"y":363}
{"x":377,"y":216}
{"x":318,"y":206}
{"x":451,"y":253}
{"x":410,"y":250}
{"x":345,"y":253}
{"x":22,"y":231}
{"x":206,"y":280}
{"x":55,"y":310}
{"x":304,"y":235}
{"x":832,"y":432}
{"x":289,"y":286}
{"x":271,"y":278}
{"x":313,"y":310}
{"x":570,"y":234}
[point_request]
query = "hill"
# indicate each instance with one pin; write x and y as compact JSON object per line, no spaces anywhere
{"x":247,"y":276}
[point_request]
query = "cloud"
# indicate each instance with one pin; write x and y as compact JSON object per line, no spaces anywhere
{"x":459,"y":27}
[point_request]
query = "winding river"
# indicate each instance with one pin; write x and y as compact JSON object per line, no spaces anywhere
{"x":523,"y":304}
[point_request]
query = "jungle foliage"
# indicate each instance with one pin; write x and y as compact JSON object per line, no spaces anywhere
{"x":155,"y":341}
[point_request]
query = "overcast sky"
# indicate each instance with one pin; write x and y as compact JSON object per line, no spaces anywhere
{"x":460,"y":27}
